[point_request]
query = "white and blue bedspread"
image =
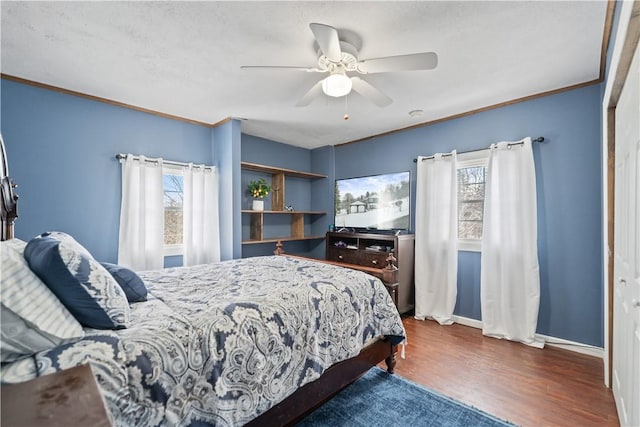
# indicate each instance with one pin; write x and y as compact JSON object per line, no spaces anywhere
{"x":219,"y":344}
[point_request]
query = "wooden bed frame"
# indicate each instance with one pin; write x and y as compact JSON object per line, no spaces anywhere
{"x":301,"y":402}
{"x":9,"y":200}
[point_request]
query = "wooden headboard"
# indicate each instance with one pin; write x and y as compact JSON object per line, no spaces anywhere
{"x":8,"y":199}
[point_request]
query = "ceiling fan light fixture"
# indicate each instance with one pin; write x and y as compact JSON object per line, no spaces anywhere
{"x":336,"y":85}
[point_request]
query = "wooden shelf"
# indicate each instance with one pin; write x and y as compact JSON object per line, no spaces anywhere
{"x":281,"y":239}
{"x":274,"y":170}
{"x":297,"y":223}
{"x":278,"y":178}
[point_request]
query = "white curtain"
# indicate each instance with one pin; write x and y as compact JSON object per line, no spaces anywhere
{"x":141,"y":240}
{"x":201,"y":234}
{"x":436,"y":254}
{"x":509,"y":277}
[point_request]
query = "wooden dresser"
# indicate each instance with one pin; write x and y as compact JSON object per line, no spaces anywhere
{"x":371,"y":250}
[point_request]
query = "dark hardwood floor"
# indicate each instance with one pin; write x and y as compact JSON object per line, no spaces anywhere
{"x":514,"y":382}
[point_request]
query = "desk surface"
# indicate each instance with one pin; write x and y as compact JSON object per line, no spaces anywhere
{"x":66,"y":398}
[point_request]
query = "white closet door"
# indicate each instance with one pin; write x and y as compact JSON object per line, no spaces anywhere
{"x":626,"y":299}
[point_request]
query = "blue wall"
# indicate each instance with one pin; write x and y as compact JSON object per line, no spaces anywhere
{"x":226,"y":152}
{"x":322,"y":161}
{"x":61,"y":152}
{"x":568,"y":167}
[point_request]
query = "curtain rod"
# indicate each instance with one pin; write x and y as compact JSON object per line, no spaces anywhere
{"x":121,"y":156}
{"x":538,"y":139}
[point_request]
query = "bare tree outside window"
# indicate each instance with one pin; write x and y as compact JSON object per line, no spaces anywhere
{"x":173,"y":186}
{"x":471,"y":185}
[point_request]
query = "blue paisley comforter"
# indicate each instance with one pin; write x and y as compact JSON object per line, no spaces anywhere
{"x":219,"y":344}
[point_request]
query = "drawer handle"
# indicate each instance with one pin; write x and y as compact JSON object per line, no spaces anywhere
{"x":374,"y":262}
{"x":340,"y":257}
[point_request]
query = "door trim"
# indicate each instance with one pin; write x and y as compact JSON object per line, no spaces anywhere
{"x":629,"y":31}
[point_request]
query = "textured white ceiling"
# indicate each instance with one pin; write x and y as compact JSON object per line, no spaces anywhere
{"x":184,"y":58}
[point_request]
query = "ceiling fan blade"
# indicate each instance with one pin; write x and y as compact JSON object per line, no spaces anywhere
{"x":415,"y":61}
{"x":371,"y":93}
{"x":314,"y":92}
{"x":281,"y":67}
{"x":327,"y":38}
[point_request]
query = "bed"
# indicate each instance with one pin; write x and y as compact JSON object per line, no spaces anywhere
{"x":257,"y":341}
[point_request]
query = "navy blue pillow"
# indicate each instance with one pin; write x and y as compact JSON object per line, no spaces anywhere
{"x":88,"y":291}
{"x":129,"y":281}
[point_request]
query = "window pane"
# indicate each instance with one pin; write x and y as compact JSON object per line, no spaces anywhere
{"x":173,"y":196}
{"x":471,"y":192}
{"x":471,"y":186}
{"x":471,"y":230}
{"x":470,"y":211}
{"x":472,"y":175}
{"x":172,"y":226}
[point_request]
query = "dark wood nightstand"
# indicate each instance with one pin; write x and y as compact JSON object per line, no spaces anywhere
{"x":66,"y":398}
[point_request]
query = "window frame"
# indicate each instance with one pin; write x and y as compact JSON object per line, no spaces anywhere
{"x":176,"y":249}
{"x":479,"y":158}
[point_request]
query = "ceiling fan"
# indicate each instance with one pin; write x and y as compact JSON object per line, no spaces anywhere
{"x":338,"y":57}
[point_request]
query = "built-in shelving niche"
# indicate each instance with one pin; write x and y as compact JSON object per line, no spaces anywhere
{"x":297,"y":218}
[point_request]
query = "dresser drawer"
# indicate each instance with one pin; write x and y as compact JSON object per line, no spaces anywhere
{"x":373,"y":259}
{"x":350,"y":256}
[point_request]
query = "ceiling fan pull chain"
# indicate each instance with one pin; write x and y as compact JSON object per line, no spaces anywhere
{"x":346,"y":107}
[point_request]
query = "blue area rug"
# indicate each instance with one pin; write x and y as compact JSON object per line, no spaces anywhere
{"x":380,"y":399}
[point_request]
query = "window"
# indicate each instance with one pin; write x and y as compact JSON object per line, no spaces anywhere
{"x":472,"y":176}
{"x":173,"y":187}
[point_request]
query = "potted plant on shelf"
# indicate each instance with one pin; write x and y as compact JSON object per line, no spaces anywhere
{"x":259,"y":190}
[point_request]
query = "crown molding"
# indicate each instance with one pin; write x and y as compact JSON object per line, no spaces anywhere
{"x":476,"y":111}
{"x":110,"y":101}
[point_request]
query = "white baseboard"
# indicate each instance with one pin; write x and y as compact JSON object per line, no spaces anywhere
{"x":466,"y":321}
{"x":587,"y":349}
{"x":550,"y":341}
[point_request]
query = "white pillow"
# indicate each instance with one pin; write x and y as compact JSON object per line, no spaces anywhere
{"x":33,"y":319}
